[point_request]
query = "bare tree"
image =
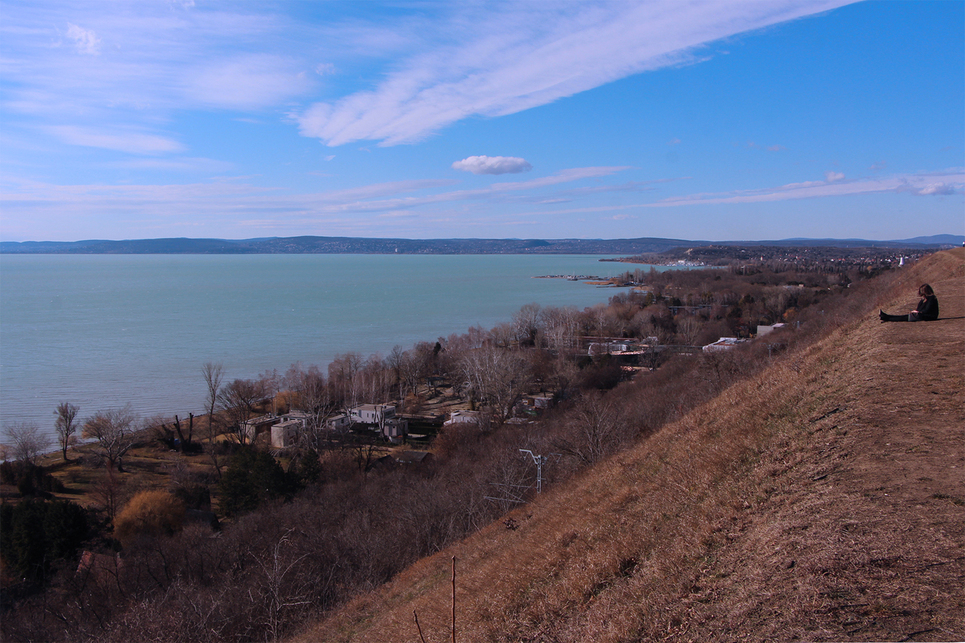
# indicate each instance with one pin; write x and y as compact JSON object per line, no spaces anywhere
{"x":314,"y":396}
{"x":27,"y":441}
{"x":527,"y":324}
{"x":271,"y":383}
{"x":213,"y":373}
{"x":114,"y":432}
{"x":688,"y":328}
{"x":239,"y":399}
{"x":65,"y":425}
{"x":496,"y":377}
{"x":109,"y":492}
{"x":343,"y":377}
{"x":560,"y":327}
{"x":277,"y":593}
{"x":596,"y":428}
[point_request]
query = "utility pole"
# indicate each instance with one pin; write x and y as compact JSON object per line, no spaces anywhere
{"x":539,"y":460}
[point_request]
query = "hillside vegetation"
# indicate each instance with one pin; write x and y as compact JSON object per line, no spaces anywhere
{"x":819,"y":499}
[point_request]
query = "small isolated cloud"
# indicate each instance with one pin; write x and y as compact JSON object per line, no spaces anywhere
{"x":776,"y":148}
{"x":673,"y":141}
{"x":936,"y":189}
{"x":324,"y":69}
{"x":878,"y":166}
{"x":492,"y":165}
{"x":85,"y":40}
{"x":831,"y":177}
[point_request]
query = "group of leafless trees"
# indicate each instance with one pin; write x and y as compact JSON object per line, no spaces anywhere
{"x":112,"y":431}
{"x":353,"y":527}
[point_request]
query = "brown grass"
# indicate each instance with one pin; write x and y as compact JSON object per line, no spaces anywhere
{"x":819,"y":500}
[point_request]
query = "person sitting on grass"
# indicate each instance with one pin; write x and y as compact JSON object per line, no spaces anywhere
{"x":927,"y":309}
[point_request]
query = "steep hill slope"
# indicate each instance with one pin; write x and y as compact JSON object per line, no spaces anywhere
{"x":821,"y":500}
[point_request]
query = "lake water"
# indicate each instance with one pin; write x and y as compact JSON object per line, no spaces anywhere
{"x":105,"y":330}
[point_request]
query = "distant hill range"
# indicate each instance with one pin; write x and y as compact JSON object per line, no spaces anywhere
{"x":360,"y":245}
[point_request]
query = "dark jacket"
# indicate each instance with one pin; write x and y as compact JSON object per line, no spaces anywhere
{"x":928,"y":308}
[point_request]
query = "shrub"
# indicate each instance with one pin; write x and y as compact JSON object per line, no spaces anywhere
{"x":35,"y":533}
{"x":252,"y":477}
{"x":149,"y":513}
{"x":31,"y":479}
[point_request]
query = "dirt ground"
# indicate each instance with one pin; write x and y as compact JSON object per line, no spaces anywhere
{"x":863,"y":536}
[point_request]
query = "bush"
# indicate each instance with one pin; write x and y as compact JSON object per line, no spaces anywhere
{"x":31,"y":479}
{"x":194,"y":496}
{"x":149,"y":513}
{"x":252,"y":477}
{"x":35,"y":533}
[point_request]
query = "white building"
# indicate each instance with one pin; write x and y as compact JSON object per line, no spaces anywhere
{"x":251,"y":428}
{"x":763,"y":329}
{"x":723,"y":344}
{"x":606,"y":348}
{"x":304,"y":417}
{"x":463,"y":417}
{"x":372,"y":413}
{"x":285,"y":434}
{"x":381,"y":417}
{"x":340,"y":422}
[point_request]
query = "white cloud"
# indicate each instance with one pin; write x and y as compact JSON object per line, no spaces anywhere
{"x":938,"y":189}
{"x":228,"y":201}
{"x":492,"y":165}
{"x":247,"y":82}
{"x":132,"y":141}
{"x":494,"y":63}
{"x":85,"y":40}
{"x":673,"y":141}
{"x":163,"y":58}
{"x":949,"y":182}
{"x":324,"y":69}
{"x":831,"y":177}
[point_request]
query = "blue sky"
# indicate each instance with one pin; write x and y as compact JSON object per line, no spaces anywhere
{"x":715,"y":120}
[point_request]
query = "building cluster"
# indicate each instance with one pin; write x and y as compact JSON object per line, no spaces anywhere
{"x":286,"y":430}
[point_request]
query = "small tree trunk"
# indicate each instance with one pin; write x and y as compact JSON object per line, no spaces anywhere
{"x":177,"y":427}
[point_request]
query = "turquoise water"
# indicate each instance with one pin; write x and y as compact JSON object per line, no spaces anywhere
{"x":105,"y":330}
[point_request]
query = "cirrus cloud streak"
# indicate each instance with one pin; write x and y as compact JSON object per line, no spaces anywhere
{"x":520,"y":56}
{"x":938,"y":183}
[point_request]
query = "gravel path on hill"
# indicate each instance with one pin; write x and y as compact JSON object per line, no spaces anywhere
{"x":862,"y":536}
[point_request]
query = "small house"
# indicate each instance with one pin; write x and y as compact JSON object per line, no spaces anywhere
{"x":285,"y":434}
{"x":372,"y":413}
{"x":251,"y":428}
{"x":304,"y":417}
{"x":340,"y":422}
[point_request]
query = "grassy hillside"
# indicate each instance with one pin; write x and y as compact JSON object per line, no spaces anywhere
{"x":821,"y":500}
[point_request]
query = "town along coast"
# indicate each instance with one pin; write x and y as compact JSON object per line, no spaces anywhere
{"x":106,"y":330}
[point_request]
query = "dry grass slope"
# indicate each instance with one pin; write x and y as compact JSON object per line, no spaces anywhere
{"x":821,"y":500}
